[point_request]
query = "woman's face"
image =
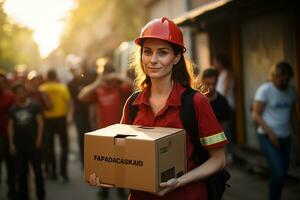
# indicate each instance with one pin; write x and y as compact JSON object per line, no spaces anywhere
{"x":281,"y":81}
{"x":158,"y":58}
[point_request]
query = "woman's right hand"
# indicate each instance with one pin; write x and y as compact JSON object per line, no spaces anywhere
{"x":273,"y":139}
{"x":95,"y":181}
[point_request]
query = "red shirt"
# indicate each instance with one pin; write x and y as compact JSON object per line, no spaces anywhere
{"x":6,"y":101}
{"x":110,"y":100}
{"x":210,"y":133}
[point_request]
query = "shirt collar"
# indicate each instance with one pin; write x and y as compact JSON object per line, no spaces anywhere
{"x":174,"y":98}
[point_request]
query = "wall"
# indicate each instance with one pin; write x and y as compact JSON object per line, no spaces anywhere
{"x":169,"y":8}
{"x":198,"y":3}
{"x":202,"y":51}
{"x":264,"y":42}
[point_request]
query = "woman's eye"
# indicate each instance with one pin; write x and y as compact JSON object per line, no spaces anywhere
{"x":147,"y":52}
{"x":162,"y":53}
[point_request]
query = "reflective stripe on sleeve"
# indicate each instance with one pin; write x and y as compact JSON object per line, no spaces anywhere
{"x":213,"y":139}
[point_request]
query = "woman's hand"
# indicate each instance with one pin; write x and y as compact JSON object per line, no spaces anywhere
{"x":273,"y":138}
{"x":95,"y":181}
{"x":168,"y":186}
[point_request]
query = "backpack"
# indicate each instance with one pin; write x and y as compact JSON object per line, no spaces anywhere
{"x":216,"y":183}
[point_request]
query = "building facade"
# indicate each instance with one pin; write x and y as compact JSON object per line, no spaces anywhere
{"x":254,"y":34}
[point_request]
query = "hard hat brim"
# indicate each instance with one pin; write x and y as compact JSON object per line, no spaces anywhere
{"x":139,"y":40}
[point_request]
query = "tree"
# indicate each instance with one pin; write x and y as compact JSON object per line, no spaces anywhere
{"x":16,"y":44}
{"x":95,"y":27}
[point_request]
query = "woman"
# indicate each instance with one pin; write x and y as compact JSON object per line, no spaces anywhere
{"x":163,"y":74}
{"x":274,"y":102}
{"x":225,"y":84}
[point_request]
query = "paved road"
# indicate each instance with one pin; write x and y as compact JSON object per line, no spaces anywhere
{"x":245,"y":184}
{"x":249,"y":185}
{"x":76,"y":189}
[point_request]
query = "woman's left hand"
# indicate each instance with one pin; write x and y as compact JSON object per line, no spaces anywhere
{"x":168,"y":186}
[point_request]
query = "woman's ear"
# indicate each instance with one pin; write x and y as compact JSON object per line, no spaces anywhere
{"x":177,"y":58}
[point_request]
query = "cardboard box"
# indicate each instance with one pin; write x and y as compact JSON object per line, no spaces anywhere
{"x":135,"y":157}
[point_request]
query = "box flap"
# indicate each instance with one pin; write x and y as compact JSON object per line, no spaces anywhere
{"x":135,"y":132}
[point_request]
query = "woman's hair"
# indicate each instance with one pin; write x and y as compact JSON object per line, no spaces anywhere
{"x":281,"y":68}
{"x":182,"y":72}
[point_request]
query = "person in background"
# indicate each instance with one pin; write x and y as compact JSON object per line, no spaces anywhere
{"x":7,"y":99}
{"x":25,"y":131}
{"x":109,"y":91}
{"x":163,"y":74}
{"x":33,"y":82}
{"x":81,"y":109}
{"x":225,"y":86}
{"x":273,"y":112}
{"x":219,"y":104}
{"x":56,"y":123}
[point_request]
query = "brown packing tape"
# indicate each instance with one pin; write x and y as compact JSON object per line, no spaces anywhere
{"x":120,"y":150}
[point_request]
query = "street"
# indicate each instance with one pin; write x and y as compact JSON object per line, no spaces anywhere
{"x":245,"y":184}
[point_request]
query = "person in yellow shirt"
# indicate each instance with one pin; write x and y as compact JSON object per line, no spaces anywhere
{"x":56,"y":123}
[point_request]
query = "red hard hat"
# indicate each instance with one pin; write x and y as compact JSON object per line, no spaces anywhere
{"x":163,"y":29}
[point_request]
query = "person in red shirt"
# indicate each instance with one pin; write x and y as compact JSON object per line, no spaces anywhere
{"x":7,"y":100}
{"x":163,"y":74}
{"x":109,"y":91}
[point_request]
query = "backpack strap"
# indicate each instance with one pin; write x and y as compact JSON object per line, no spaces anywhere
{"x":189,"y":120}
{"x":133,"y":109}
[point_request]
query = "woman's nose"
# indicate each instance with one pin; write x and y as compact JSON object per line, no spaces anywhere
{"x":154,"y":58}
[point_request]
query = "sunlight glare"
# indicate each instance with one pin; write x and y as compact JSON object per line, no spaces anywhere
{"x":45,"y":17}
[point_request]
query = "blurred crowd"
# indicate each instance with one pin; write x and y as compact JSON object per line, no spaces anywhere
{"x":36,"y":108}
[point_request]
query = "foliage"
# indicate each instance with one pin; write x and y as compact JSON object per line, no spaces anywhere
{"x":16,"y":44}
{"x":95,"y":28}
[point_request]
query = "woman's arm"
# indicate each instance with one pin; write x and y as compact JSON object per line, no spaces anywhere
{"x":215,"y":163}
{"x":118,"y":76}
{"x":87,"y":90}
{"x":257,"y":111}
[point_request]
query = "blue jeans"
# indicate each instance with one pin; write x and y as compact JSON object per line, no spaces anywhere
{"x":278,"y":161}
